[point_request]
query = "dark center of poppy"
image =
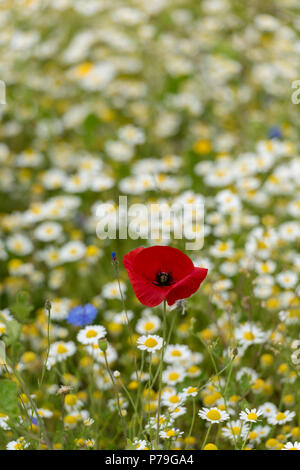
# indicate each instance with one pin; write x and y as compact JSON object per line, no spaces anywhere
{"x":163,"y":279}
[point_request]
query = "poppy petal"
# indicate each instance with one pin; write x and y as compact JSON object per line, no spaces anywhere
{"x":130,"y":257}
{"x":149,"y":261}
{"x":187,"y":286}
{"x":143,"y":264}
{"x":147,"y":293}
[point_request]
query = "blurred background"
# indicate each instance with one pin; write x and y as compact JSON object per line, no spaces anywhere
{"x":101,"y":95}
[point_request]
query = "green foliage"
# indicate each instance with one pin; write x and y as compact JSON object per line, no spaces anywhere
{"x":22,"y":307}
{"x":8,"y":397}
{"x":12,"y":332}
{"x":130,"y":445}
{"x":2,"y":352}
{"x":244,"y":384}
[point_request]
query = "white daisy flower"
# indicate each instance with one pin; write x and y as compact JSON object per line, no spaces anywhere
{"x":60,"y":309}
{"x":44,"y":413}
{"x":248,"y":334}
{"x":172,"y":399}
{"x":190,"y":391}
{"x":150,"y":343}
{"x":91,"y":334}
{"x":19,"y":244}
{"x":48,"y":231}
{"x":292,"y":446}
{"x":213,"y":415}
{"x":172,"y":433}
{"x":61,"y":350}
{"x":131,"y":135}
{"x":235,"y":429}
{"x":19,"y":444}
{"x":268,"y":409}
{"x":178,"y":411}
{"x":94,"y":350}
{"x":148,"y":324}
{"x":111,"y":290}
{"x":222,"y":249}
{"x":3,"y":422}
{"x":287,"y":279}
{"x":173,"y":375}
{"x":176,"y":353}
{"x":250,"y":415}
{"x":281,"y":417}
{"x":72,"y":251}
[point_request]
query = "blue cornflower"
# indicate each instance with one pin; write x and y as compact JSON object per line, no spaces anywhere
{"x":82,"y":315}
{"x":274,"y":132}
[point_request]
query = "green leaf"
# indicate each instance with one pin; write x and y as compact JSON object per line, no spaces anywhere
{"x":130,"y":445}
{"x":2,"y":353}
{"x":16,"y":351}
{"x":22,"y":308}
{"x":245,"y":383}
{"x":8,"y":397}
{"x":12,"y":332}
{"x":244,"y":404}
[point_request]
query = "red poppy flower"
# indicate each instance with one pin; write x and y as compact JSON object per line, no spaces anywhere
{"x":162,"y":272}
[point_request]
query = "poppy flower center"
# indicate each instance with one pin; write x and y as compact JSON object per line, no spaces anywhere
{"x":163,"y":279}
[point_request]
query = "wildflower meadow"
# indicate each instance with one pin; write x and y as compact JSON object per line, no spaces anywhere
{"x":149,"y":225}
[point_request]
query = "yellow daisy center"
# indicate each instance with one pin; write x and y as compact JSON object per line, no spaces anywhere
{"x":214,"y":415}
{"x":174,"y":399}
{"x":150,"y":343}
{"x":91,"y":334}
{"x":71,"y":419}
{"x":18,"y":446}
{"x":176,"y":353}
{"x":174,"y":376}
{"x":149,"y":326}
{"x":280,"y":416}
{"x":252,"y":416}
{"x":210,"y":447}
{"x":236,"y":430}
{"x":61,"y":349}
{"x":249,"y":336}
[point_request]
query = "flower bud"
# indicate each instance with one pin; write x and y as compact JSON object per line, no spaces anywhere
{"x":102,"y":343}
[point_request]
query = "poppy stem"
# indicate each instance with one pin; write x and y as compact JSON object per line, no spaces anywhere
{"x":160,"y":371}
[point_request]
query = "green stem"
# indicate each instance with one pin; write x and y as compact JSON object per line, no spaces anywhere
{"x":139,"y":378}
{"x":48,"y":308}
{"x":160,"y":372}
{"x":168,"y":340}
{"x":33,"y":405}
{"x":206,"y":436}
{"x":193,"y":419}
{"x":246,"y":438}
{"x":117,"y":396}
{"x":130,"y":333}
